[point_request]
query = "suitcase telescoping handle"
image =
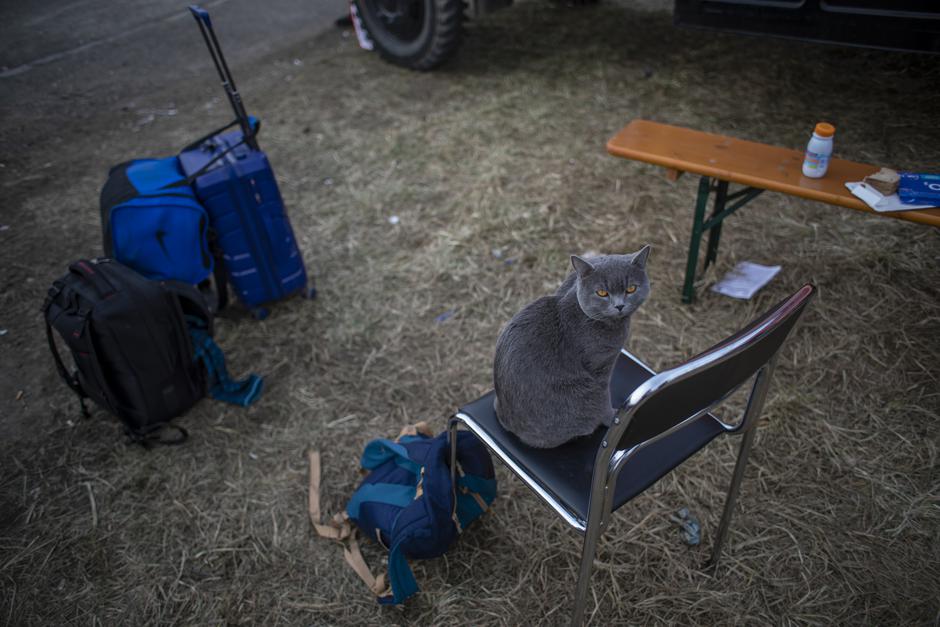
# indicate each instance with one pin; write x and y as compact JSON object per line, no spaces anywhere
{"x":228,"y":83}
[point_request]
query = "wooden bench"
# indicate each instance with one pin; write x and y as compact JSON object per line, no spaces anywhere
{"x":756,"y":166}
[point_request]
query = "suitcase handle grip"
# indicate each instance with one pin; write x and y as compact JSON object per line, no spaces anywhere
{"x":200,"y":14}
{"x":246,"y":139}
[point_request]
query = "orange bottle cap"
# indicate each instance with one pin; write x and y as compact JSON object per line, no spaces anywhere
{"x":824,"y":129}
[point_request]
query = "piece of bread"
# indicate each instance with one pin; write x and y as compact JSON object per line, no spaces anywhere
{"x":884,"y":180}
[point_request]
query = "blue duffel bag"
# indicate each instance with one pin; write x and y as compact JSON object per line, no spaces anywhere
{"x":153,"y":223}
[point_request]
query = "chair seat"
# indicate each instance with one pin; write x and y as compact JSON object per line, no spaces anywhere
{"x":565,"y":471}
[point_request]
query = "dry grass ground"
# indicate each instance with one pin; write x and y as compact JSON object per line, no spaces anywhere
{"x":503,"y":149}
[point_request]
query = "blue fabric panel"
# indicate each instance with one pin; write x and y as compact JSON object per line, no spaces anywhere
{"x":407,"y":439}
{"x":468,"y":509}
{"x":162,"y":238}
{"x":148,"y":175}
{"x":437,"y":486}
{"x":162,"y":232}
{"x":387,"y":493}
{"x":473,"y":456}
{"x":484,"y":487}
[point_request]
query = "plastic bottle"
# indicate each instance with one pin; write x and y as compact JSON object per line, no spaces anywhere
{"x":818,"y":151}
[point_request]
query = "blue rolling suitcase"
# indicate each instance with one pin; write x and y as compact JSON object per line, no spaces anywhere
{"x":238,"y":189}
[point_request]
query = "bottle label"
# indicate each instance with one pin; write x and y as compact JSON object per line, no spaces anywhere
{"x":815,"y":161}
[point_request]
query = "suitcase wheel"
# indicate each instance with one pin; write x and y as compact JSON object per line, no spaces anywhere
{"x":311,"y":293}
{"x":260,"y":313}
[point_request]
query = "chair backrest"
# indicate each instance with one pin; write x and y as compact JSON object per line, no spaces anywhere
{"x":677,"y":394}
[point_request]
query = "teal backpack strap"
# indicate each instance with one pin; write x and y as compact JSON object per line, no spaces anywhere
{"x":380,"y":451}
{"x":400,"y":576}
{"x":222,"y":387}
{"x":388,"y":493}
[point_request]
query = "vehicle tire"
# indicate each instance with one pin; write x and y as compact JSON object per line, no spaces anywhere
{"x":417,"y":34}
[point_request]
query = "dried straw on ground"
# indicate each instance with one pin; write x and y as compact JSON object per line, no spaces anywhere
{"x":502,"y":151}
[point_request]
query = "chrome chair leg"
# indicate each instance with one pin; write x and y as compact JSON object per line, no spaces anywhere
{"x":754,"y":406}
{"x":588,"y":552}
{"x":730,"y":500}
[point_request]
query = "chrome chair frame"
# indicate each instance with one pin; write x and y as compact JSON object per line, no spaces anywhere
{"x":610,"y":460}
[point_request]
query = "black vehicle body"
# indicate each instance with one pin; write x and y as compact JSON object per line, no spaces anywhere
{"x":422,"y":34}
{"x":893,"y":24}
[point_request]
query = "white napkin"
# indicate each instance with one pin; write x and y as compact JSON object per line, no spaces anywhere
{"x":879,"y":202}
{"x":745,"y":279}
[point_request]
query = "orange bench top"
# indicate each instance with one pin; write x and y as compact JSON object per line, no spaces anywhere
{"x":748,"y":163}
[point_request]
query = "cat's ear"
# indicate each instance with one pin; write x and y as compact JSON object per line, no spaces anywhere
{"x":639,"y":259}
{"x":582,"y":267}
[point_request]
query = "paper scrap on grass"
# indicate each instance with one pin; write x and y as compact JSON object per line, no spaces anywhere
{"x":878,"y":201}
{"x":745,"y":279}
{"x":689,"y":526}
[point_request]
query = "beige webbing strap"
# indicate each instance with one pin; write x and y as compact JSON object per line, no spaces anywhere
{"x":480,"y":501}
{"x":340,"y":530}
{"x":355,"y":560}
{"x":419,"y":489}
{"x":418,"y":427}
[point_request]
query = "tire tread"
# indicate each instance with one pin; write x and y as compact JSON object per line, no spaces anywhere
{"x":446,"y":36}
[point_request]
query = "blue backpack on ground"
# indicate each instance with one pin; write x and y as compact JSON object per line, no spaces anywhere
{"x":235,"y":182}
{"x":152,"y":222}
{"x":407,"y":503}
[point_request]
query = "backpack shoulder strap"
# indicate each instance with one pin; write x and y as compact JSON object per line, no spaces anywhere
{"x":52,"y":310}
{"x":70,"y":379}
{"x":400,"y":576}
{"x":241,"y":392}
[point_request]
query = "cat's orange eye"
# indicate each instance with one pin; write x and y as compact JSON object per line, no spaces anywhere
{"x":631,"y":289}
{"x":602,"y":293}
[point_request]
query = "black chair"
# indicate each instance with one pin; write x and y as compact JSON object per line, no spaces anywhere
{"x":664,"y":418}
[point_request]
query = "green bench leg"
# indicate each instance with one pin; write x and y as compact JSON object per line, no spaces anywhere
{"x":698,"y":222}
{"x":714,"y":234}
{"x":700,"y":225}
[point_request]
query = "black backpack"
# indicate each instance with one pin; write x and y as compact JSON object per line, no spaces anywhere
{"x":129,"y":340}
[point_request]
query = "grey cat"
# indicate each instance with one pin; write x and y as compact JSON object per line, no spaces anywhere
{"x":555,"y":357}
